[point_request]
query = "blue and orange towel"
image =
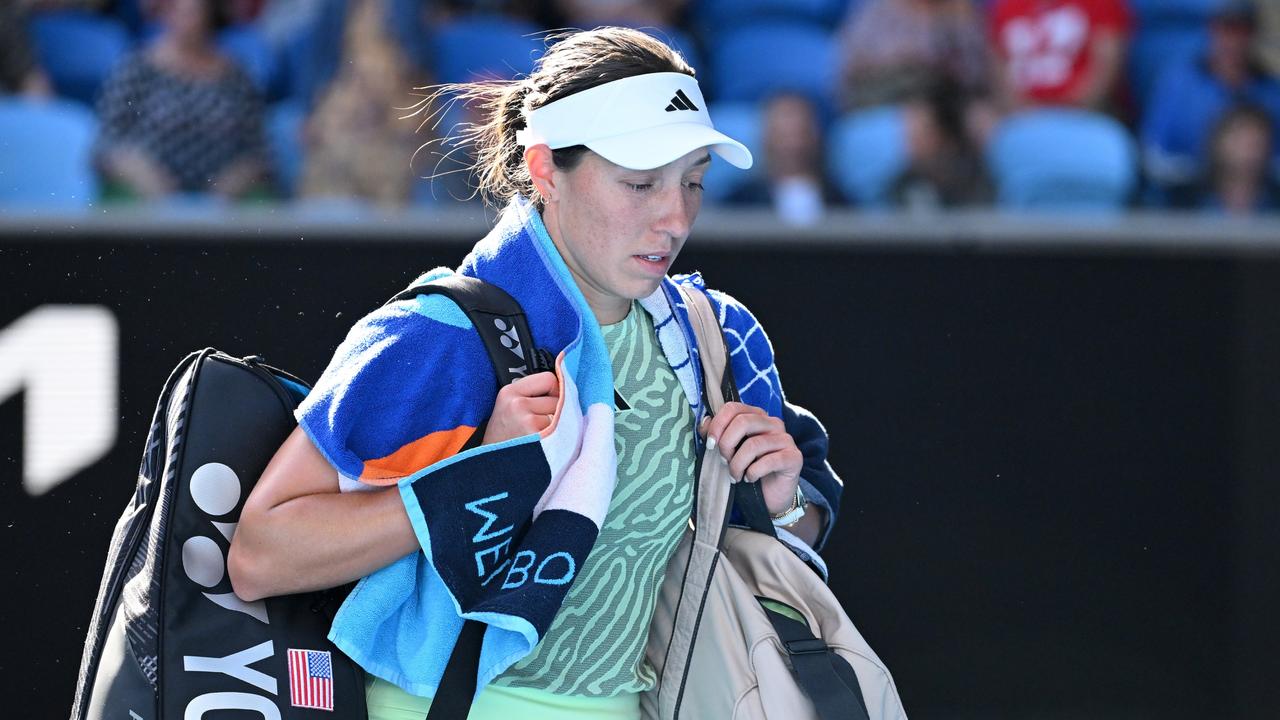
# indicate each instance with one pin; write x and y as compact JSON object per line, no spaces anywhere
{"x":503,"y":528}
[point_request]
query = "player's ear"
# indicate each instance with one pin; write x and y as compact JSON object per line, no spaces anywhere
{"x":542,"y":169}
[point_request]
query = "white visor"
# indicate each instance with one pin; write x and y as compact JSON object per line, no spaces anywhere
{"x":639,"y":122}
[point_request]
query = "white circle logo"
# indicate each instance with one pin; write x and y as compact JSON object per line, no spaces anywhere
{"x":202,"y":561}
{"x":215,"y":488}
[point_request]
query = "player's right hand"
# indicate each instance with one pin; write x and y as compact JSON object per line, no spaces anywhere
{"x":525,"y":406}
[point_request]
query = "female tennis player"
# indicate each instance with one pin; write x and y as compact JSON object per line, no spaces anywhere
{"x":546,"y":509}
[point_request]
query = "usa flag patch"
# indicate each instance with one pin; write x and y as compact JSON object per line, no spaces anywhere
{"x":311,"y":679}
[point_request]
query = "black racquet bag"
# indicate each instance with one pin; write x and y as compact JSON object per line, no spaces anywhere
{"x":168,"y":637}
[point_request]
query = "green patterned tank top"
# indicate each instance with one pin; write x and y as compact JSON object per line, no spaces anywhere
{"x":595,"y":645}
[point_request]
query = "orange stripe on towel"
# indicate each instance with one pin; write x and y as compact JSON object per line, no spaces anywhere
{"x":416,"y":455}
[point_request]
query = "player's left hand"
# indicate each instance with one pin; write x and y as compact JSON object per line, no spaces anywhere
{"x":758,"y":449}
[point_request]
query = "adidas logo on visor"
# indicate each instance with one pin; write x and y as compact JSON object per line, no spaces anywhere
{"x":681,"y":102}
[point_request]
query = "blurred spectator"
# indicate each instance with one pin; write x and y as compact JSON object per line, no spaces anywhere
{"x":180,"y":116}
{"x":19,"y":71}
{"x":895,"y":51}
{"x":946,"y":134}
{"x":1269,"y":36}
{"x":931,"y":58}
{"x":1060,"y":52}
{"x":358,"y":145}
{"x":231,"y":12}
{"x":238,"y":12}
{"x":793,"y":147}
{"x":1189,"y":99}
{"x":791,"y":180}
{"x":1241,"y":176}
{"x":314,"y":35}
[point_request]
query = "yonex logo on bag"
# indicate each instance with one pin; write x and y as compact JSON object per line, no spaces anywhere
{"x":680,"y":101}
{"x":216,"y":490}
{"x":511,"y":341}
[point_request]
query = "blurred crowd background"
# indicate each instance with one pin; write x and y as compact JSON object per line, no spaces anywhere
{"x":1076,"y":105}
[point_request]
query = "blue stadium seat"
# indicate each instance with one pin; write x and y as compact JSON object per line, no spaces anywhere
{"x":1157,"y":10}
{"x":79,"y":50}
{"x":721,"y":15}
{"x":1156,"y":49}
{"x":1062,"y":160}
{"x":485,"y":46}
{"x":1167,"y":32}
{"x":284,"y":137}
{"x":308,"y":59}
{"x":754,"y":62}
{"x":246,"y":46}
{"x":45,"y":155}
{"x":680,"y":41}
{"x":130,"y":12}
{"x":742,"y":122}
{"x":867,"y":154}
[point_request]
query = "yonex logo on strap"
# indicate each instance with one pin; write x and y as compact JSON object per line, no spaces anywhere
{"x":681,"y":102}
{"x":510,"y":339}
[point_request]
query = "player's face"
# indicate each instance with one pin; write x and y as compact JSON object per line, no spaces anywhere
{"x":620,"y":230}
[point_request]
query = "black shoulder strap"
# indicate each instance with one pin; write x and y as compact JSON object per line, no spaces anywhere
{"x":504,"y":329}
{"x":498,"y":318}
{"x":827,"y":678}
